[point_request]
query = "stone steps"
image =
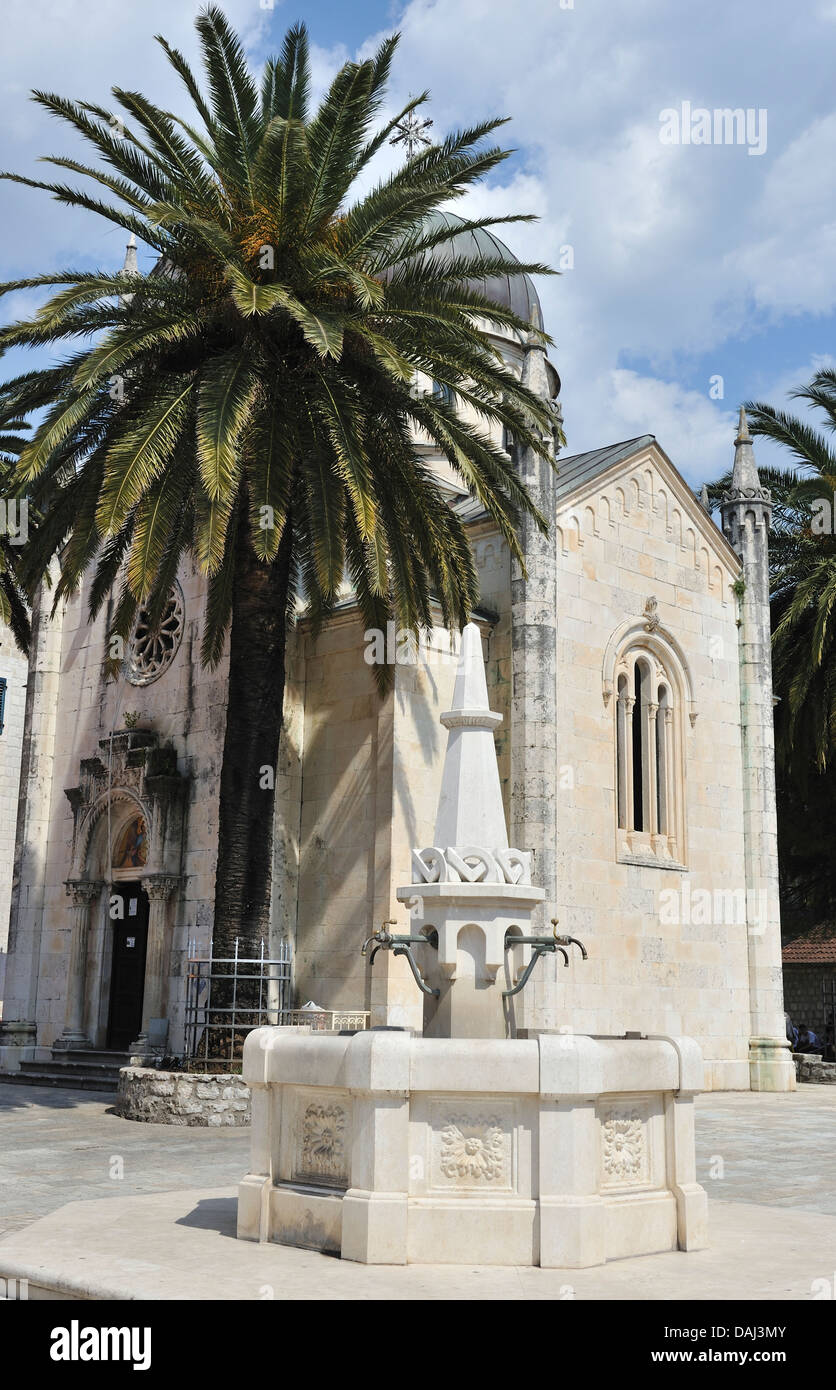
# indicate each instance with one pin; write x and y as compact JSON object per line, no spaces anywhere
{"x":82,"y":1069}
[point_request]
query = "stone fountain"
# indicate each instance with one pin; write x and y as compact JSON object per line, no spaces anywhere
{"x":470,"y":1144}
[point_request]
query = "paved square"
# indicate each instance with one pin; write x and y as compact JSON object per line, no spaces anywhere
{"x":166,"y":1229}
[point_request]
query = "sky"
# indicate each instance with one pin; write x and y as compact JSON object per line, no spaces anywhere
{"x":697,"y":275}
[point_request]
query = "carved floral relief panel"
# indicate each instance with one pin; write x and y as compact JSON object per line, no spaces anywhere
{"x":322,"y":1138}
{"x":626,"y":1157}
{"x":472,"y":1145}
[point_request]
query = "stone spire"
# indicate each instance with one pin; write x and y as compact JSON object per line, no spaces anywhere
{"x":705,"y":499}
{"x":131,"y":266}
{"x":747,"y":502}
{"x":746,"y":509}
{"x":469,"y":889}
{"x":745,"y":480}
{"x":470,"y":805}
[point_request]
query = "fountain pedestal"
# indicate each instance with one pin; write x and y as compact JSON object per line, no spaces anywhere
{"x":469,"y":1145}
{"x":561,"y":1151}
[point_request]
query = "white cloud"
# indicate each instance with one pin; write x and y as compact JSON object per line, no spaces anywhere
{"x":675,"y":247}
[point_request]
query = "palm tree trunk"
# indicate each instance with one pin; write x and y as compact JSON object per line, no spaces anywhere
{"x":258,"y":639}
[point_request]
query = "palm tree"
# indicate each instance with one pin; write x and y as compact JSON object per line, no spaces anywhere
{"x":802,"y":557}
{"x":803,"y":577}
{"x":251,"y":401}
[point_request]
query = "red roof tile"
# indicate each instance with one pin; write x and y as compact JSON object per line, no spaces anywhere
{"x":815,"y":947}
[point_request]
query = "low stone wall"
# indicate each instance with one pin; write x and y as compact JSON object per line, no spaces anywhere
{"x":813,"y":1069}
{"x":180,"y":1098}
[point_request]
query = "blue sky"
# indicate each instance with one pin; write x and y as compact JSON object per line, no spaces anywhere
{"x":690,"y":262}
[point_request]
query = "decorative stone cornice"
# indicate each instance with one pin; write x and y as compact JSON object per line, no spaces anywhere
{"x":470,"y":719}
{"x":83,"y":890}
{"x":471,"y":864}
{"x":160,"y":887}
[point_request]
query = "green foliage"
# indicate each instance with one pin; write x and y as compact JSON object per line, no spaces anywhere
{"x":803,"y":581}
{"x":265,"y":367}
{"x":802,"y":559}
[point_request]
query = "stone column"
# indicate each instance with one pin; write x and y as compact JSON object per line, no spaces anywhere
{"x":159,"y":888}
{"x":629,"y":826}
{"x":670,"y":784}
{"x":653,"y":775}
{"x":83,"y":893}
{"x":18,"y":1027}
{"x":746,"y":511}
{"x":534,"y":682}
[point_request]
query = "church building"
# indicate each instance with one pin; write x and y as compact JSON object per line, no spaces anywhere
{"x":630,"y":662}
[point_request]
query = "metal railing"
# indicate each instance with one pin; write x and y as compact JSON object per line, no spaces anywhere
{"x":327,"y":1020}
{"x":228,"y":996}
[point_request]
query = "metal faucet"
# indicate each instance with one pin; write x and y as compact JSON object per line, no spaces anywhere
{"x":542,"y":946}
{"x":399,"y":946}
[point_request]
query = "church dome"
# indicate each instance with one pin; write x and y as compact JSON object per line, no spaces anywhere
{"x":514,"y":292}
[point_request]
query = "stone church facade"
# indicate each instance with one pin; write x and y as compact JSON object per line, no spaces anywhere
{"x":630,"y":662}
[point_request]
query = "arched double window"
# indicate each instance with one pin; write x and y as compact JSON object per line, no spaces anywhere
{"x":649,"y":756}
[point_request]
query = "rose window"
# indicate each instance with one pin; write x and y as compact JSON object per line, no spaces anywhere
{"x":154,"y":643}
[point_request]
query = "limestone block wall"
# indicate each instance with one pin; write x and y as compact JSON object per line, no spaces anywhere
{"x":803,"y":998}
{"x":637,"y":535}
{"x":186,"y":707}
{"x":369,"y":785}
{"x":14,"y":670}
{"x":347,"y":755}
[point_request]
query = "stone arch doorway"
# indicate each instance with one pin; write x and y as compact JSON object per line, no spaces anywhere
{"x":127,"y":832}
{"x":129,"y":910}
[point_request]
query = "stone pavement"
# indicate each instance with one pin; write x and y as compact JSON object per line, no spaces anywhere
{"x":57,"y":1146}
{"x":772,"y":1214}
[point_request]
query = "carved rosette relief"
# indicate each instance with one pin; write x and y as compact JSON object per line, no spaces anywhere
{"x":625,"y":1153}
{"x":472,"y":1149}
{"x":322,"y":1143}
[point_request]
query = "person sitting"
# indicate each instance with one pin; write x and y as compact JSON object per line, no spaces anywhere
{"x":808,"y":1041}
{"x":792,"y":1032}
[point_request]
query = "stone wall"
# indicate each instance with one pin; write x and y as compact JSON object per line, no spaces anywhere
{"x":813,"y":1070}
{"x":633,"y":534}
{"x":14,"y":670}
{"x":372,"y":773}
{"x":179,"y":1098}
{"x":186,"y":708}
{"x":803,"y":998}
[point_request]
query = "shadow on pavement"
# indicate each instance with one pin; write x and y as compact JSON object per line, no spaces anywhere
{"x":213,"y":1214}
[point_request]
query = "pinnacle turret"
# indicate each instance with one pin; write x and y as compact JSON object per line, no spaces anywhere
{"x":745,"y":480}
{"x":130,"y":267}
{"x":746,"y":496}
